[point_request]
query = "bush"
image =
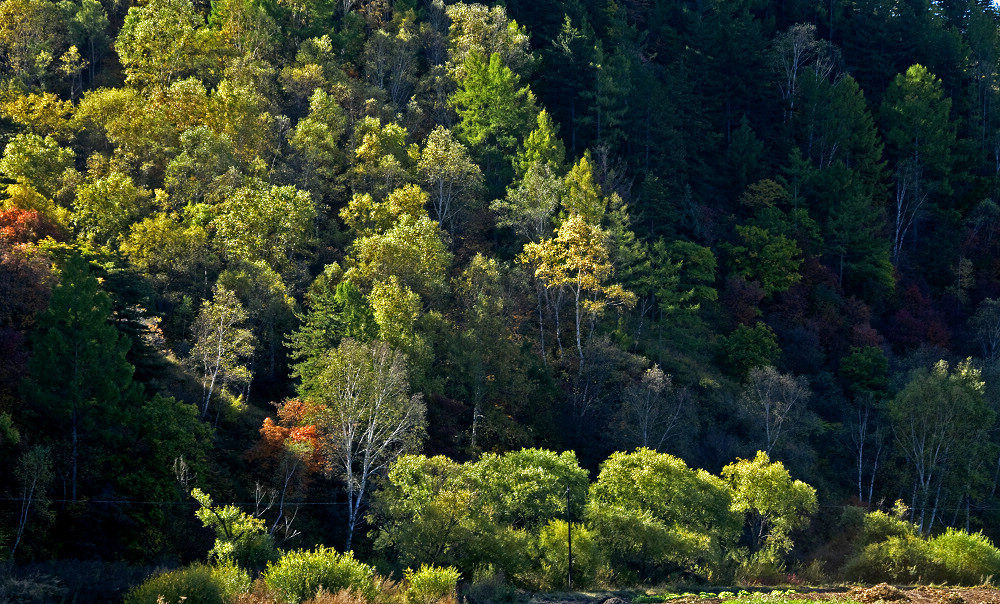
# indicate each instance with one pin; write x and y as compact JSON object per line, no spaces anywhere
{"x":299,"y":574}
{"x":34,"y":588}
{"x":196,"y":583}
{"x":968,"y":559}
{"x":879,"y":526}
{"x":553,"y":554}
{"x":431,"y":584}
{"x":896,"y":560}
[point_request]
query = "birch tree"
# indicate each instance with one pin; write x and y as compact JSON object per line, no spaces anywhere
{"x":940,"y":419}
{"x":775,"y":401}
{"x":368,"y":413}
{"x":222,"y":344}
{"x":450,"y":175}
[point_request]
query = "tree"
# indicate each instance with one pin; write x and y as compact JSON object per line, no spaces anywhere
{"x":382,"y":161}
{"x":107,"y":207}
{"x":413,"y":250}
{"x":749,"y":347}
{"x":985,"y":324}
{"x":531,"y":203}
{"x":221,"y":344}
{"x":577,"y":260}
{"x":204,"y":170}
{"x":920,"y":136}
{"x":390,"y":57}
{"x":268,"y":223}
{"x":530,"y":487}
{"x":36,"y":162}
{"x":653,"y":410}
{"x":165,"y":40}
{"x":495,"y":113}
{"x":795,"y":50}
{"x":940,"y":419}
{"x":542,"y":147}
{"x":450,"y":175}
{"x":865,"y":371}
{"x":78,"y":378}
{"x":476,"y":28}
{"x":317,"y":139}
{"x":774,"y":505}
{"x":368,"y":413}
{"x":333,"y":312}
{"x":240,"y":538}
{"x":652,"y":514}
{"x":32,"y":34}
{"x":34,"y":473}
{"x":776,"y":401}
{"x":424,"y":511}
{"x":773,"y":260}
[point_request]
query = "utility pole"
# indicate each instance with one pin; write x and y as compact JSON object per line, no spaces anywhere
{"x":569,"y":541}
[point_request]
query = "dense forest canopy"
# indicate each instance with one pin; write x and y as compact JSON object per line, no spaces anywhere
{"x":265,"y":248}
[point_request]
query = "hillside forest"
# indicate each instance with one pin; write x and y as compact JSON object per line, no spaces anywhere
{"x":339,"y":269}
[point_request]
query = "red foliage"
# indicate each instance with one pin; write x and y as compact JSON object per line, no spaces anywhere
{"x":742,"y":298}
{"x":918,"y":322}
{"x":25,"y":285}
{"x":27,"y":226}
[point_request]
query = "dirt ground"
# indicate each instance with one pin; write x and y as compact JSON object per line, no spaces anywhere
{"x":880,"y":594}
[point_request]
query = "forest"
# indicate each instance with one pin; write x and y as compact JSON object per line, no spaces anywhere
{"x":414,"y":289}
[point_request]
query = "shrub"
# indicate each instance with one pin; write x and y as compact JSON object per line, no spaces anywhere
{"x":299,"y":574}
{"x":196,"y":583}
{"x":232,"y":579}
{"x":879,"y":526}
{"x":553,"y":554}
{"x":430,"y":584}
{"x":760,"y":568}
{"x":34,"y":588}
{"x":967,"y":559}
{"x":896,"y":560}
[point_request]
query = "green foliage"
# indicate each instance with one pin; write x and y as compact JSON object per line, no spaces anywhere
{"x":430,"y":584}
{"x":969,"y":559}
{"x":165,"y":40}
{"x":495,"y":110}
{"x":652,"y":514}
{"x":195,"y":583}
{"x":774,"y":505}
{"x":425,"y":512}
{"x":772,"y":260}
{"x":107,"y":207}
{"x":748,"y":347}
{"x":240,"y":538}
{"x":36,"y":162}
{"x":530,"y":487}
{"x":553,"y":554}
{"x":891,"y":549}
{"x":299,"y":574}
{"x":267,"y":223}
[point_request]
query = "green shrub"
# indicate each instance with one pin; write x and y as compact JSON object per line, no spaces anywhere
{"x":967,"y":559}
{"x":879,"y":526}
{"x":196,"y":583}
{"x":232,"y":579}
{"x":299,"y":574}
{"x":896,"y":560}
{"x":553,"y":554}
{"x":760,"y":568}
{"x":430,"y":584}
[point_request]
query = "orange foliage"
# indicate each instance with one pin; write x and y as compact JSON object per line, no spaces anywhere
{"x":291,"y":439}
{"x":26,"y":226}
